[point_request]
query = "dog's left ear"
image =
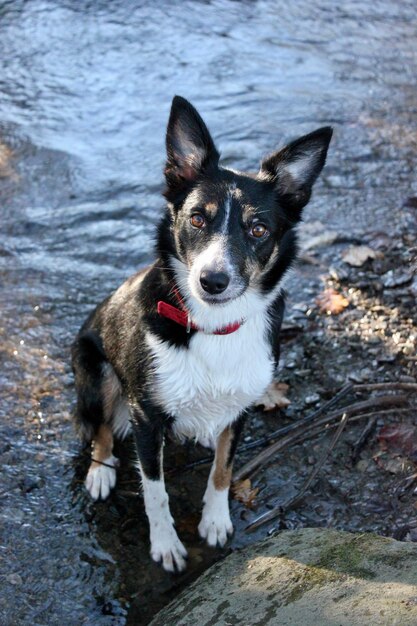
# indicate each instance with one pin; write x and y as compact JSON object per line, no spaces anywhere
{"x":190,"y":148}
{"x":295,"y":168}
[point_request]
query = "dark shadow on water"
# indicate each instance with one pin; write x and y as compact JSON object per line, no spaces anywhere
{"x":120,"y":528}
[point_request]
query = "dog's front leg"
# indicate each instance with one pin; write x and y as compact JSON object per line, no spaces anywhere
{"x":216,"y":525}
{"x":165,"y":544}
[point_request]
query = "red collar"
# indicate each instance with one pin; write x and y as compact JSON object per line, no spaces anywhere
{"x":182,"y":316}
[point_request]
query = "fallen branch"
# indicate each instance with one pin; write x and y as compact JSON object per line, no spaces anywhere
{"x":310,"y":418}
{"x":293,"y":502}
{"x":300,"y":431}
{"x":410,"y":387}
{"x":270,"y":515}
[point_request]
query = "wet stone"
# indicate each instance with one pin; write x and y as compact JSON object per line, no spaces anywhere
{"x":14,"y":579}
{"x":312,"y":399}
{"x":396,"y":278}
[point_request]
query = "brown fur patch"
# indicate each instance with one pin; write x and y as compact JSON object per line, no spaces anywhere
{"x":102,"y":444}
{"x":111,"y":391}
{"x":211,"y":208}
{"x":222,"y":474}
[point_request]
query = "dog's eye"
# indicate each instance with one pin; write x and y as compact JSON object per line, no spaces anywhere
{"x":197,"y":220}
{"x":258,"y":230}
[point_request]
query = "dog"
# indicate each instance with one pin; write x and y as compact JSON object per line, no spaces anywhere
{"x":192,"y":342}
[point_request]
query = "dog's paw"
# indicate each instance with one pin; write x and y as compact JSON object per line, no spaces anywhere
{"x":101,"y":478}
{"x":167,"y":547}
{"x":215,"y":526}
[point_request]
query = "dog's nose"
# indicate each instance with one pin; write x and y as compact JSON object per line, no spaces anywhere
{"x":214,"y":282}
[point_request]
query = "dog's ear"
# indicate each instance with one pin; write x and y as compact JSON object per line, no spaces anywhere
{"x":295,"y":169}
{"x":190,"y":148}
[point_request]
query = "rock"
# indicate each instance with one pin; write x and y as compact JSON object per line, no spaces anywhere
{"x":14,"y":579}
{"x":339,"y":274}
{"x":312,"y":399}
{"x":358,"y":255}
{"x":318,"y":577}
{"x":396,"y":278}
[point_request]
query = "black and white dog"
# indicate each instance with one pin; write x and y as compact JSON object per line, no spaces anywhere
{"x":191,"y":342}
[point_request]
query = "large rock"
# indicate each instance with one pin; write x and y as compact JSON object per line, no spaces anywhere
{"x":309,"y":577}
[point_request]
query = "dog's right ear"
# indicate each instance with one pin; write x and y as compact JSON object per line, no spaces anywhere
{"x":190,"y":148}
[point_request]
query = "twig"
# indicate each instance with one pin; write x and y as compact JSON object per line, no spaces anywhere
{"x":385,"y":387}
{"x":128,"y":493}
{"x":362,"y":439}
{"x":292,"y":503}
{"x":310,"y":418}
{"x":328,"y":405}
{"x":183,"y":468}
{"x":300,"y":431}
{"x":405,"y":484}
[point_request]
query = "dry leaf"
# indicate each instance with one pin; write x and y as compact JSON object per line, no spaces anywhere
{"x":357,"y":255}
{"x":243,"y":492}
{"x":274,"y":397}
{"x":400,"y":438}
{"x":331,"y":302}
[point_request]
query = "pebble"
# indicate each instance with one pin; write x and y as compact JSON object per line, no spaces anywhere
{"x":388,"y":358}
{"x":312,"y":399}
{"x":407,"y":379}
{"x":303,"y":373}
{"x":355,"y":377}
{"x":362,"y":465}
{"x":14,"y":579}
{"x":396,"y":278}
{"x":338,"y":274}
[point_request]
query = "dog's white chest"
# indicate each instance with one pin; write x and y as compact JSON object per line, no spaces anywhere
{"x":206,"y":386}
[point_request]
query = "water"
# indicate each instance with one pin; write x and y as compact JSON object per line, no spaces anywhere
{"x":85,"y":91}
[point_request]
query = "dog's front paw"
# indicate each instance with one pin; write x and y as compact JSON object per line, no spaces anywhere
{"x":101,"y":478}
{"x":167,"y":547}
{"x":215,"y":526}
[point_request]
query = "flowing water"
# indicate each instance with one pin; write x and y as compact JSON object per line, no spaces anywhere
{"x":85,"y":91}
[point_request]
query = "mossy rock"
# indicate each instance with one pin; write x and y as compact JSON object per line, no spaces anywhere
{"x":314,"y":577}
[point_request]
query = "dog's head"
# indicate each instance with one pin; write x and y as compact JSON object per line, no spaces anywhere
{"x":232,"y":232}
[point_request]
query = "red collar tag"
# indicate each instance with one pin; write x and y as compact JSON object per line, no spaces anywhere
{"x":183,"y":318}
